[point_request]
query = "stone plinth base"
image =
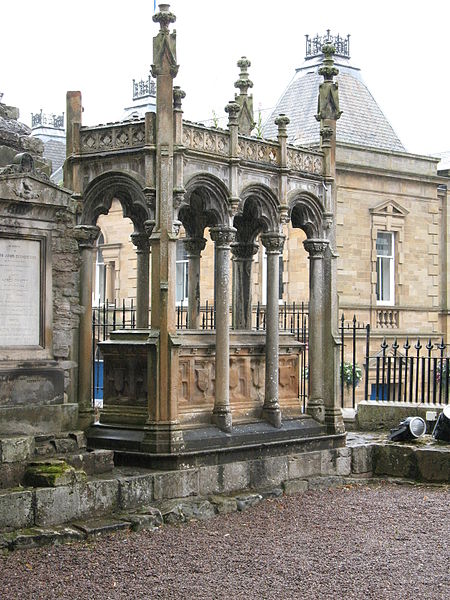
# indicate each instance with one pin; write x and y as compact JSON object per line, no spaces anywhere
{"x":210,"y":445}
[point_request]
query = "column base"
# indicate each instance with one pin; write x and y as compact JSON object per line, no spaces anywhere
{"x":86,"y":418}
{"x":162,"y":438}
{"x":223,"y":420}
{"x":316,"y":410}
{"x":334,"y":421}
{"x":272,"y":416}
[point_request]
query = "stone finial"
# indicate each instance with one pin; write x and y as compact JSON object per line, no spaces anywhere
{"x":328,"y":104}
{"x":164,"y":17}
{"x":282,"y":121}
{"x":246,"y":120}
{"x":178,"y":95}
{"x":164,"y":44}
{"x":243,"y":83}
{"x":233,"y":109}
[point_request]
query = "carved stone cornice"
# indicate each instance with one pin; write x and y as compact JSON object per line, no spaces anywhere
{"x":316,"y":248}
{"x":86,"y":236}
{"x":222,"y":236}
{"x":194,"y":246}
{"x":273,"y":242}
{"x":141,"y":241}
{"x":243,"y":251}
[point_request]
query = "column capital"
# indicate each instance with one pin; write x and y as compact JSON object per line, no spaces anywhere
{"x":141,"y":241}
{"x":222,"y":236}
{"x":86,"y":235}
{"x":315,"y":247}
{"x":194,"y":246}
{"x":243,"y":251}
{"x":273,"y":242}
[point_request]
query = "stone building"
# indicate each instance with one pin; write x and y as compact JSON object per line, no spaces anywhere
{"x":392,"y":218}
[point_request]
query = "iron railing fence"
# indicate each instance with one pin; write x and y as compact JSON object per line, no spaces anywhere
{"x":413,"y":372}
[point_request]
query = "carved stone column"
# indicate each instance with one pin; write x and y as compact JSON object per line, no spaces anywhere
{"x":194,"y":247}
{"x":273,"y":243}
{"x":316,"y":250}
{"x":242,"y":284}
{"x":222,"y":237}
{"x":85,"y":236}
{"x":142,"y":243}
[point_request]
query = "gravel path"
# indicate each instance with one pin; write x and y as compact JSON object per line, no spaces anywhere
{"x":383,"y":542}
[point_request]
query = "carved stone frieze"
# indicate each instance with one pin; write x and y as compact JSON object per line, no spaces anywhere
{"x":304,"y":161}
{"x":208,"y":140}
{"x":116,"y":137}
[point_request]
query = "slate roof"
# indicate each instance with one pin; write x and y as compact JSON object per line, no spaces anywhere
{"x":362,"y":122}
{"x":55,"y":151}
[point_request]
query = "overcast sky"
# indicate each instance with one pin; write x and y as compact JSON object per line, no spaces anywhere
{"x":99,"y":46}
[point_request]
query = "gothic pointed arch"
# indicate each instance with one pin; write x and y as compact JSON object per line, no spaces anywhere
{"x":258,"y":212}
{"x":205,"y":204}
{"x":101,"y":191}
{"x":306,"y":213}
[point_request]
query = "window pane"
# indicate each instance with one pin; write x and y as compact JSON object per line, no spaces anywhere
{"x":384,"y":244}
{"x":384,"y":266}
{"x":180,"y":282}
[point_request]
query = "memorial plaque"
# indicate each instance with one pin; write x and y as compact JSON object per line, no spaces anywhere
{"x":20,"y":292}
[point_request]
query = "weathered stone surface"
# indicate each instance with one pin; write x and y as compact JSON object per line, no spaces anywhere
{"x":176,"y":484}
{"x":79,"y":437}
{"x":295,"y":486}
{"x":223,"y":504}
{"x":94,"y":527}
{"x":65,"y":503}
{"x":49,"y":473}
{"x":244,"y":501}
{"x":395,"y":460}
{"x":208,"y":480}
{"x":323,"y":483}
{"x":433,"y":464}
{"x":11,"y":474}
{"x":16,"y":449}
{"x":136,"y":491}
{"x":36,"y":536}
{"x":16,"y":509}
{"x":270,"y":471}
{"x":335,"y":462}
{"x":65,"y":445}
{"x":57,"y":505}
{"x":198,"y":510}
{"x":304,"y":465}
{"x":171,"y":511}
{"x":149,"y":518}
{"x":234,"y":476}
{"x":274,"y":492}
{"x":94,"y":462}
{"x":362,"y":459}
